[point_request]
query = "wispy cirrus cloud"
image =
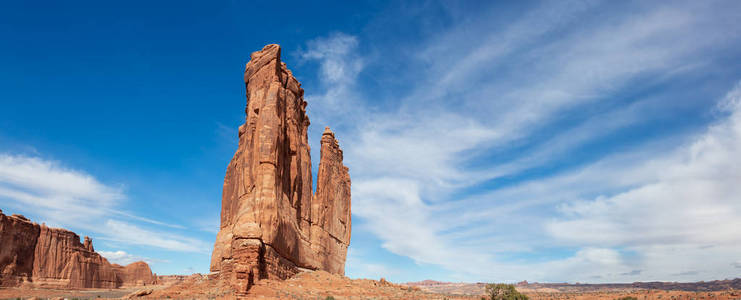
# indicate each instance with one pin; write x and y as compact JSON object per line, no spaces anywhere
{"x":536,"y":92}
{"x":120,"y":257}
{"x":131,"y":234}
{"x":339,"y":67}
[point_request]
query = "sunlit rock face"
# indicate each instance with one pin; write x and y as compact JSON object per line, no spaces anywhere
{"x":271,"y":222}
{"x":40,"y":256}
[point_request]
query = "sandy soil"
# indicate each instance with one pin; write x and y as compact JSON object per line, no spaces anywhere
{"x":305,"y":285}
{"x":320,"y":285}
{"x":14,"y":293}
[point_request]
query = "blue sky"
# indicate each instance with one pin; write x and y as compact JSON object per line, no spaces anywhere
{"x":591,"y":141}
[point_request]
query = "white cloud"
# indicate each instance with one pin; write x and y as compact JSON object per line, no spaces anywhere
{"x":364,"y":269}
{"x":59,"y":195}
{"x":73,"y":199}
{"x":690,"y":209}
{"x":409,"y":164}
{"x":427,"y":149}
{"x":339,"y":67}
{"x":696,"y":199}
{"x":49,"y":178}
{"x":131,"y":234}
{"x":124,"y":258}
{"x":121,"y":257}
{"x":335,"y":53}
{"x":670,"y":210}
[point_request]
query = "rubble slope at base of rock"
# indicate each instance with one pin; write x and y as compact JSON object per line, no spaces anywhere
{"x":271,"y":222}
{"x":40,"y":256}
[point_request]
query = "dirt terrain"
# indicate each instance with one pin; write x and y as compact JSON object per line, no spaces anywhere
{"x":321,"y":284}
{"x":305,"y":285}
{"x":28,"y":293}
{"x":463,"y":288}
{"x":711,"y":290}
{"x":639,"y":294}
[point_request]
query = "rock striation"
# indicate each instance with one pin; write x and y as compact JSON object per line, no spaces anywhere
{"x":40,"y":256}
{"x":272,"y":224}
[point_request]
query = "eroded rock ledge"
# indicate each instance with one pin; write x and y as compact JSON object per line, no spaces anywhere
{"x":40,"y":256}
{"x":272,"y":224}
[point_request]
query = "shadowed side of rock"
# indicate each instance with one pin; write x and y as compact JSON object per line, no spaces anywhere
{"x":18,"y":238}
{"x":269,"y":228}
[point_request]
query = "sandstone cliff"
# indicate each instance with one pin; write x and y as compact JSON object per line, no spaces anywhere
{"x":41,"y":256}
{"x":18,"y":238}
{"x":271,"y":223}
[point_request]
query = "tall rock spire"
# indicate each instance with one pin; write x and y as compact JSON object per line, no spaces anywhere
{"x":331,"y":206}
{"x":271,"y":224}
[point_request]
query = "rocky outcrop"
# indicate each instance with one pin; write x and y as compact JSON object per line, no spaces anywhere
{"x":135,"y":274}
{"x":61,"y":260}
{"x":271,"y":222}
{"x":18,"y":239}
{"x":330,"y":208}
{"x":40,"y":256}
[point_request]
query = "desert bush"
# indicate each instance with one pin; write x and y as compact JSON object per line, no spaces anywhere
{"x":501,"y":291}
{"x":628,"y":298}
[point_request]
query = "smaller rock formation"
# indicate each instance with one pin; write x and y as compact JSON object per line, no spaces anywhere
{"x":330,"y":207}
{"x":40,"y":256}
{"x":135,"y":274}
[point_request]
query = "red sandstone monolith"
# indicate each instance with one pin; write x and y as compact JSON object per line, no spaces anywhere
{"x":271,"y":222}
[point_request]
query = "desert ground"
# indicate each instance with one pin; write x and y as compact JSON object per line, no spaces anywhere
{"x":324,"y":285}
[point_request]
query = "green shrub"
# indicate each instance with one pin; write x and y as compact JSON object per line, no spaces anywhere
{"x":628,"y":298}
{"x":501,"y":291}
{"x":329,"y":298}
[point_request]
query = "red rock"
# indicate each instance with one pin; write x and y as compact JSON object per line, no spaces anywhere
{"x":331,"y":207}
{"x":18,"y":239}
{"x":271,"y":224}
{"x":61,"y":260}
{"x":40,"y":256}
{"x":135,"y":274}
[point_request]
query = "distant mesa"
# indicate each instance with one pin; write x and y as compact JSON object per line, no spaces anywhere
{"x":34,"y":255}
{"x":272,"y":223}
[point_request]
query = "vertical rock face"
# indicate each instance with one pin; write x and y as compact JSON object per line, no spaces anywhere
{"x":53,"y":257}
{"x":271,"y":224}
{"x":18,"y":240}
{"x":330,"y":210}
{"x":61,"y":260}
